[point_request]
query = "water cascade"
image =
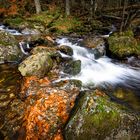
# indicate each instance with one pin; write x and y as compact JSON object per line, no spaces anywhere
{"x":102,"y":71}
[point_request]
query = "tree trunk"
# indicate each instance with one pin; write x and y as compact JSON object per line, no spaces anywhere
{"x":95,"y":8}
{"x":123,"y":15}
{"x":67,"y":7}
{"x":37,"y":6}
{"x":91,"y":9}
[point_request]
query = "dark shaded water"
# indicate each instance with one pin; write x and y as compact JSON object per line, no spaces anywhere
{"x":10,"y":80}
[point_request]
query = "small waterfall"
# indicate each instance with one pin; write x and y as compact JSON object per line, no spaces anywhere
{"x":102,"y":71}
{"x":23,"y":47}
{"x":11,"y":31}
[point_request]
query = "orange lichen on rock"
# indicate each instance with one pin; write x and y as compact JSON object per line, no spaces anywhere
{"x":48,"y":109}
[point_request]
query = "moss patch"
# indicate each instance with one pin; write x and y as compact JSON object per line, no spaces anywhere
{"x":66,"y":24}
{"x":14,"y":22}
{"x":96,"y":117}
{"x":124,"y":44}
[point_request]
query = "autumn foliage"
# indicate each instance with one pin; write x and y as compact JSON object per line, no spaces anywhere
{"x":13,"y":7}
{"x":48,"y":109}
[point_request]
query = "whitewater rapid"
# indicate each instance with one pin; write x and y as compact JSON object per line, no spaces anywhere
{"x":102,"y":71}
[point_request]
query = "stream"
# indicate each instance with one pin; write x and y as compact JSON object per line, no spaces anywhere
{"x":103,"y":72}
{"x":106,"y":73}
{"x":29,"y":105}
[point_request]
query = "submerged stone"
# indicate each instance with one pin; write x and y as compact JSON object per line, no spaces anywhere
{"x":96,"y":117}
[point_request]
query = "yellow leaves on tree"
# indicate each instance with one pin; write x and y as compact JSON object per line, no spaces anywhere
{"x":13,"y":7}
{"x":13,"y":10}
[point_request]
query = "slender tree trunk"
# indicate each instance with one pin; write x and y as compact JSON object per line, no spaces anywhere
{"x":123,"y":14}
{"x":95,"y":8}
{"x":37,"y":6}
{"x":67,"y":7}
{"x":91,"y":9}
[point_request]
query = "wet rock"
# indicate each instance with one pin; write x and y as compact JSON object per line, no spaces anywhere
{"x":94,"y":42}
{"x":29,"y":31}
{"x":129,"y":97}
{"x":72,"y":67}
{"x":37,"y":64}
{"x":44,"y":49}
{"x":66,"y":50}
{"x":97,"y":44}
{"x":48,"y":108}
{"x":123,"y":44}
{"x":68,"y":84}
{"x":9,"y":50}
{"x":133,"y":61}
{"x":96,"y":117}
{"x":53,"y":73}
{"x":98,"y":53}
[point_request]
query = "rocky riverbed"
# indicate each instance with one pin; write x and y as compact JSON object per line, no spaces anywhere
{"x":42,"y":94}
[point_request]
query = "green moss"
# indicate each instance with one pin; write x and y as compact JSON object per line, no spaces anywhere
{"x":14,"y":22}
{"x":95,"y":117}
{"x":104,"y":118}
{"x":66,"y":24}
{"x":44,"y":17}
{"x":124,"y":44}
{"x":105,"y":114}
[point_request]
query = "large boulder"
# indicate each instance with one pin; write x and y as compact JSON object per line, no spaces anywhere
{"x":96,"y":117}
{"x":123,"y":44}
{"x":36,"y":65}
{"x":93,"y":42}
{"x":9,"y":50}
{"x":97,"y":44}
{"x":48,"y":108}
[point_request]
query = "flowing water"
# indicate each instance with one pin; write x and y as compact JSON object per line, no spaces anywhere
{"x":105,"y":72}
{"x":102,"y":71}
{"x":11,"y":31}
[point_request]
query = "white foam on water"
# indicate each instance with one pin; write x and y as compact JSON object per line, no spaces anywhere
{"x":100,"y":71}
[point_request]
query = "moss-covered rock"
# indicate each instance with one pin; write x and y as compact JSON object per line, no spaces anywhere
{"x":124,"y":44}
{"x":14,"y":22}
{"x":96,"y":117}
{"x":66,"y":50}
{"x":40,"y":49}
{"x":9,"y":50}
{"x":36,"y":65}
{"x":72,"y":67}
{"x":93,"y":42}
